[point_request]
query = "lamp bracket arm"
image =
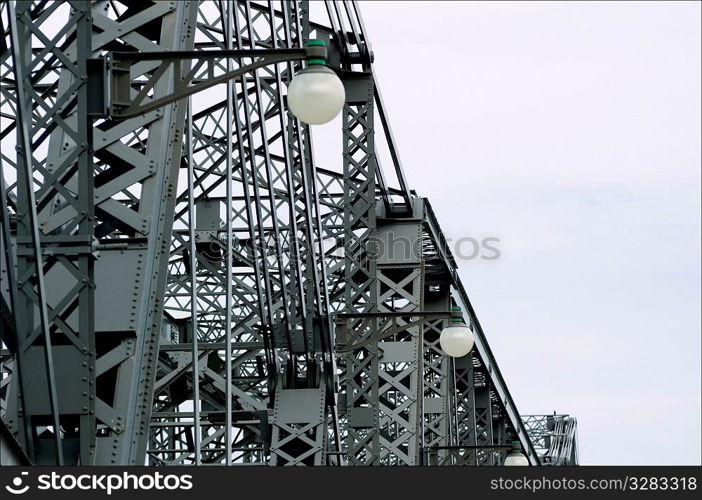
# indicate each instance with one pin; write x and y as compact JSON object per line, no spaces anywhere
{"x":129,"y":77}
{"x":343,"y":347}
{"x":376,"y":337}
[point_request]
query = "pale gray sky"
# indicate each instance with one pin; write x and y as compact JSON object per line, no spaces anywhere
{"x":571,"y":131}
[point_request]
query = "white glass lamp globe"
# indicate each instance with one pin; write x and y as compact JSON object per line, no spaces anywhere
{"x":316,"y":95}
{"x":456,"y":340}
{"x":516,"y":457}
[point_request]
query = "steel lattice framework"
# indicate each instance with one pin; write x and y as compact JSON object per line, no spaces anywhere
{"x":188,"y":285}
{"x":554,"y":438}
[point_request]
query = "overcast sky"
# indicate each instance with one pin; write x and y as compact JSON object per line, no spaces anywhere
{"x":571,"y":131}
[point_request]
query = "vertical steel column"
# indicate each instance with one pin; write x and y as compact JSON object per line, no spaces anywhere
{"x":32,"y":262}
{"x":142,"y":153}
{"x":9,"y":365}
{"x":195,"y":353}
{"x":483,"y":422}
{"x":304,"y":439}
{"x":464,"y":397}
{"x":438,"y":403}
{"x":501,"y":435}
{"x":229,"y":39}
{"x":400,"y":283}
{"x":54,"y":271}
{"x":361,"y":290}
{"x":277,"y":276}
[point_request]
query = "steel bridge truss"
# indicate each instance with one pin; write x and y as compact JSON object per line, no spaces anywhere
{"x":554,"y":438}
{"x":171,"y":279}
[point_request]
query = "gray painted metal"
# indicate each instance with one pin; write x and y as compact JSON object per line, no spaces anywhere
{"x":361,"y":368}
{"x":181,"y":268}
{"x":53,"y":306}
{"x":554,"y":437}
{"x":11,"y":453}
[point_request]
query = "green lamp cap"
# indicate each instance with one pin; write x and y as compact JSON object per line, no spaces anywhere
{"x":316,"y":62}
{"x":455,"y":316}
